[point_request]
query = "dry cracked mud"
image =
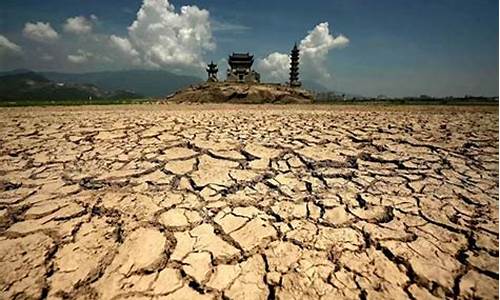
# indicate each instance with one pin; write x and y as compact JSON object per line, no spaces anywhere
{"x":249,"y":202}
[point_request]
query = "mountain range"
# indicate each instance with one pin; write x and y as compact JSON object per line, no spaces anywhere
{"x":34,"y":86}
{"x":149,"y":83}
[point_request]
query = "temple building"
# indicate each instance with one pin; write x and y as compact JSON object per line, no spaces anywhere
{"x":240,"y":69}
{"x":212,"y":72}
{"x":294,"y":67}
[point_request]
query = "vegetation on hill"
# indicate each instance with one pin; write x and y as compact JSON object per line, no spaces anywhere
{"x":31,"y":86}
{"x":150,"y":83}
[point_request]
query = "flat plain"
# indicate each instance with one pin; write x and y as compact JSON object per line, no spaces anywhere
{"x":249,"y":202}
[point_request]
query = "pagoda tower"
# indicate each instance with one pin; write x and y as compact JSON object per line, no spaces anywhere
{"x":212,"y":72}
{"x":294,"y":67}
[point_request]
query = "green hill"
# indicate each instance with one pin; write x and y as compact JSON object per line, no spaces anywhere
{"x":150,"y":83}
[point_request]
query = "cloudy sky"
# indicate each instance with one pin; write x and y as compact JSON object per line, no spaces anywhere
{"x":391,"y":47}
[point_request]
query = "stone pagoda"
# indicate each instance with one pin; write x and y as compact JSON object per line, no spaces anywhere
{"x":294,"y":67}
{"x":240,"y":69}
{"x":212,"y":72}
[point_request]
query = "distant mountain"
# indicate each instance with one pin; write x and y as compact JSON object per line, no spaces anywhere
{"x":34,"y":86}
{"x":150,"y":83}
{"x":15,"y":71}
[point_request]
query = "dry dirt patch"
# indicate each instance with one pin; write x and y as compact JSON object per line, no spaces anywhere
{"x":249,"y":202}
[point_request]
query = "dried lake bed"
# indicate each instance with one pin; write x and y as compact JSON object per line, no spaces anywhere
{"x":249,"y":202}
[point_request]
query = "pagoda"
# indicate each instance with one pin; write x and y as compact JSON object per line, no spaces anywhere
{"x":294,"y":67}
{"x":240,"y":69}
{"x":212,"y":72}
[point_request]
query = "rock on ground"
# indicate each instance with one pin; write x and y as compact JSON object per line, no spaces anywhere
{"x":224,"y":92}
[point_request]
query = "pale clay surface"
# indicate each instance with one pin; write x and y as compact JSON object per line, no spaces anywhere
{"x":245,"y":202}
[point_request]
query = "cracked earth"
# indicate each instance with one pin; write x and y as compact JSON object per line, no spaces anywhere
{"x":246,"y":202}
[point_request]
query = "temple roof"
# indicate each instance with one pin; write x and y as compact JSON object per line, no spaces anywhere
{"x":241,"y":56}
{"x":240,"y":60}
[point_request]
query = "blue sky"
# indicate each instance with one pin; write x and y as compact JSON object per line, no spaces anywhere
{"x":396,"y":48}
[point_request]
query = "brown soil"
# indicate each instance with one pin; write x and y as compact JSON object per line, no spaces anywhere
{"x":249,"y":202}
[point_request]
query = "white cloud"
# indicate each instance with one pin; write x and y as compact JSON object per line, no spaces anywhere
{"x":319,"y":41}
{"x":125,"y":47}
{"x":79,"y":24}
{"x":314,"y":49}
{"x":80,"y":57}
{"x":40,"y":32}
{"x":275,"y":66}
{"x":160,"y":36}
{"x":8,"y":48}
{"x":163,"y":37}
{"x":226,"y":26}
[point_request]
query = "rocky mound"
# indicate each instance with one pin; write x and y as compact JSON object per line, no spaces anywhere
{"x":222,"y":92}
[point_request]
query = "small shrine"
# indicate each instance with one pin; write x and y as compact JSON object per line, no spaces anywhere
{"x":212,"y":71}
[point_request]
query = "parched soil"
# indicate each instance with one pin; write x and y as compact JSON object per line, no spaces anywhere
{"x":249,"y":202}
